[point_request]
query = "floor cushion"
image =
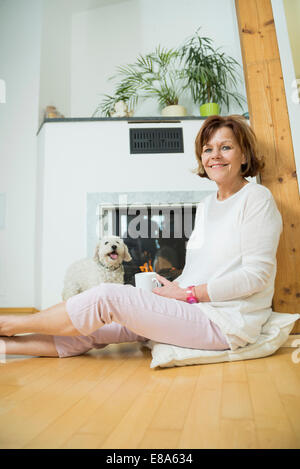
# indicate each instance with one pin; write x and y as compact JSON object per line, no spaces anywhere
{"x":274,"y":334}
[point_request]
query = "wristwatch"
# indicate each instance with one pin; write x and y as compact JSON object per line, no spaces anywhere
{"x":191,"y":297}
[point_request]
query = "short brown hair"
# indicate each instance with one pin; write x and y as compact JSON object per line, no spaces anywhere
{"x":244,"y":135}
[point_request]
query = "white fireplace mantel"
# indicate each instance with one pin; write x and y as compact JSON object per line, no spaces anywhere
{"x":81,"y":157}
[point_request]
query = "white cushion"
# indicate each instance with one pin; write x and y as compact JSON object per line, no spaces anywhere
{"x":274,"y":334}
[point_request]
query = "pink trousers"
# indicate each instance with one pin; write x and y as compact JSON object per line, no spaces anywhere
{"x":113,"y":313}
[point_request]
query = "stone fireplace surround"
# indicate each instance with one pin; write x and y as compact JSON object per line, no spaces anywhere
{"x":83,"y":163}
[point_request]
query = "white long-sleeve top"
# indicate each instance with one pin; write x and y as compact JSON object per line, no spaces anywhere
{"x":232,"y":249}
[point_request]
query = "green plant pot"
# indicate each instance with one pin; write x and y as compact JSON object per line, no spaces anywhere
{"x":209,"y":109}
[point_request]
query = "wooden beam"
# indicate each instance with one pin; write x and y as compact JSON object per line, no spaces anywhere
{"x":269,"y":118}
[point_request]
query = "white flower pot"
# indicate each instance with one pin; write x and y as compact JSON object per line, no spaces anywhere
{"x":174,"y":110}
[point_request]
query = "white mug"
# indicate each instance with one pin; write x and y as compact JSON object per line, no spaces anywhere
{"x":146,"y":280}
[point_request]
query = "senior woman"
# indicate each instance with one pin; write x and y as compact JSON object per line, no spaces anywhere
{"x":224,"y":294}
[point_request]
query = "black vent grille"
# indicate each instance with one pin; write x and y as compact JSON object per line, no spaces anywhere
{"x":162,"y":140}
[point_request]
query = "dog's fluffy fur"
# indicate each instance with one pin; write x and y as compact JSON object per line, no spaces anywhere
{"x":105,"y":267}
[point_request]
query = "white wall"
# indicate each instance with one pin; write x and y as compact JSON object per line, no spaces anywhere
{"x":55,"y":71}
{"x":20,"y":31}
{"x":292,"y":13}
{"x":56,"y":46}
{"x":289,"y":76}
{"x":116,"y":34}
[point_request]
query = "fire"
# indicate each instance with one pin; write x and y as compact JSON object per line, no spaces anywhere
{"x":147,"y":267}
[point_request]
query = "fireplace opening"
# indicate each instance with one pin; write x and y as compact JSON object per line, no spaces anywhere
{"x":156,"y":236}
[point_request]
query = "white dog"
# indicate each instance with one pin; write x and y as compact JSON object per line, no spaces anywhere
{"x":105,"y":267}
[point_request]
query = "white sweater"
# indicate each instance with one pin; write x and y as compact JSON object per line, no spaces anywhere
{"x":233,"y":249}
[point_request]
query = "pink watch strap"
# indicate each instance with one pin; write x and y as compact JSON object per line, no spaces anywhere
{"x":191,"y":297}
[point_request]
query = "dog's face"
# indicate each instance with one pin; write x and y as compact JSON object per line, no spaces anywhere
{"x":111,"y":251}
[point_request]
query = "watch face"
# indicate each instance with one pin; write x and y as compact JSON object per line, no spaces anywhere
{"x":192,"y":300}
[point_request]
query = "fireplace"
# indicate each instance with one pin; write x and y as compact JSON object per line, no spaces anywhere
{"x":156,"y":235}
{"x":154,"y":225}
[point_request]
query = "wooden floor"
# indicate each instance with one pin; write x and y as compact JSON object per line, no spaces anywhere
{"x":112,"y":399}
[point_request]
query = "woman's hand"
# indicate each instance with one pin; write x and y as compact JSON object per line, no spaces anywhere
{"x":173,"y":290}
{"x":169,"y":289}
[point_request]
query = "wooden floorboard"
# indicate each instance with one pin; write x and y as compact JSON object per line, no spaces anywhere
{"x":110,"y":398}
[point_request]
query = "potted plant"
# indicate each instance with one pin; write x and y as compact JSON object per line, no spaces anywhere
{"x":156,"y":74}
{"x":109,"y":104}
{"x":211,"y":75}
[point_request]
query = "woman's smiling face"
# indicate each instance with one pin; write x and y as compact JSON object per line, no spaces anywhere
{"x":222,"y":157}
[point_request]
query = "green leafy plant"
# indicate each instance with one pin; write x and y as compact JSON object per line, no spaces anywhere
{"x":156,"y":74}
{"x":211,"y":75}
